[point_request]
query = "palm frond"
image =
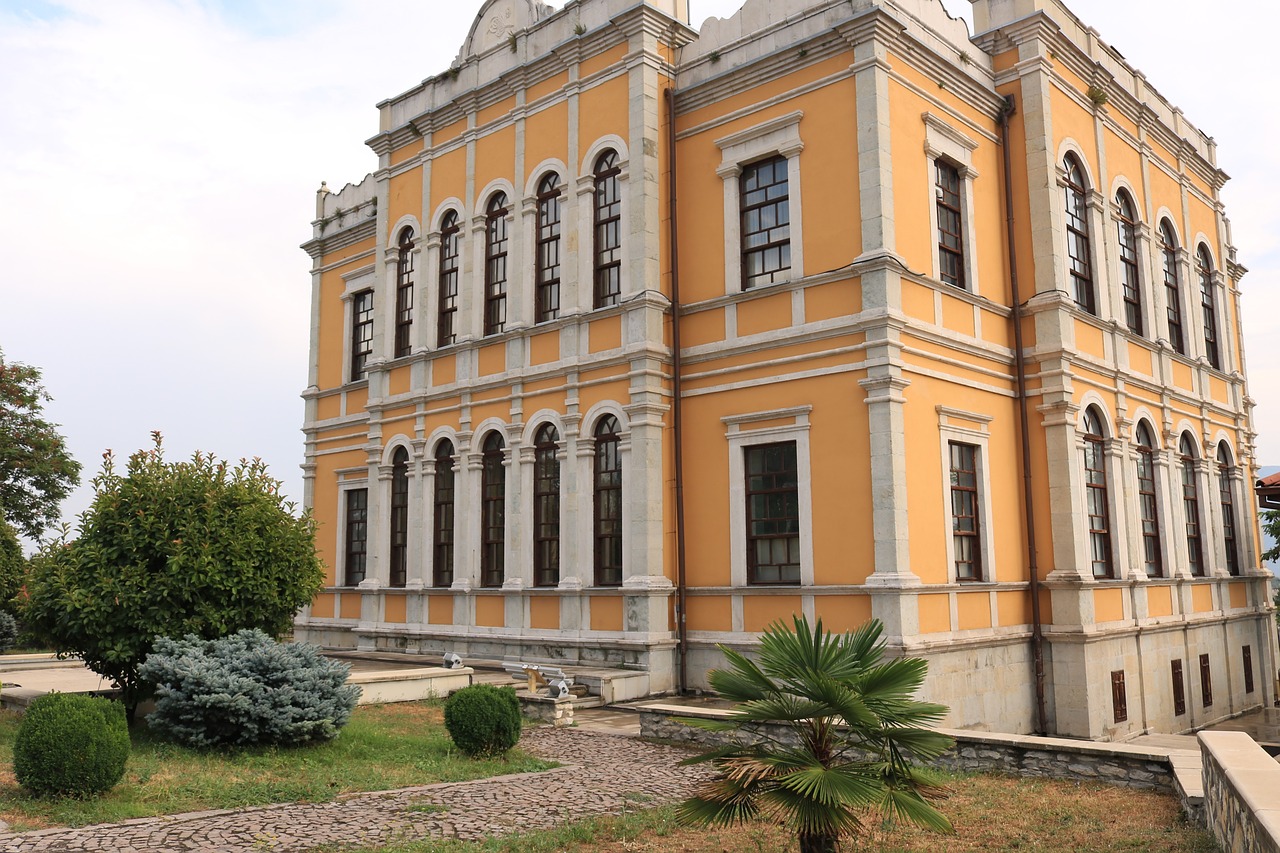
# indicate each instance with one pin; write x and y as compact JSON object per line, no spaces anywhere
{"x":907,"y":804}
{"x":846,"y":786}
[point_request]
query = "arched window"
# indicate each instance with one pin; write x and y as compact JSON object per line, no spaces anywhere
{"x":404,"y":293}
{"x":1148,"y":503}
{"x":608,"y":504}
{"x":1172,"y":287}
{"x":1078,"y":253}
{"x":548,"y":251}
{"x":1204,"y":267}
{"x":442,"y":517}
{"x":546,"y":507}
{"x":493,"y":511}
{"x":1191,"y":504}
{"x":1226,"y":496}
{"x":399,"y":517}
{"x":495,"y":265}
{"x":1096,"y":501}
{"x":607,"y":255}
{"x":450,"y":237}
{"x":1130,"y":283}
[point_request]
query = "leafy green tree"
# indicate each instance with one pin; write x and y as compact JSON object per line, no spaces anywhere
{"x":12,"y":566}
{"x":828,"y":732}
{"x":167,"y":550}
{"x":36,"y":472}
{"x":1271,"y":529}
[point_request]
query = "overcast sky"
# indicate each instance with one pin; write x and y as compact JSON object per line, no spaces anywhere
{"x":159,"y":161}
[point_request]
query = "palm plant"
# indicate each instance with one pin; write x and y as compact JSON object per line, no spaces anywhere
{"x":826,"y":731}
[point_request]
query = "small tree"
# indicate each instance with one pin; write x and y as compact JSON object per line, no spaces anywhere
{"x":1271,"y":529}
{"x":36,"y":472}
{"x":850,"y":733}
{"x":171,"y":549}
{"x":12,"y":566}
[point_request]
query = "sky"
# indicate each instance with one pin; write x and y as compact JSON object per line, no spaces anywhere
{"x":159,"y":161}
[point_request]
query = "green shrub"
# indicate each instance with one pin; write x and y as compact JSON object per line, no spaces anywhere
{"x":483,"y":720}
{"x":71,"y":745}
{"x":246,"y":690}
{"x":8,"y":631}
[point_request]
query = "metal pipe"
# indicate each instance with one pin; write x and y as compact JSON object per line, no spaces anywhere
{"x":1020,"y":366}
{"x":677,"y":419}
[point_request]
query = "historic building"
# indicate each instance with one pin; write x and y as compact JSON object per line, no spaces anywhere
{"x":957,"y":345}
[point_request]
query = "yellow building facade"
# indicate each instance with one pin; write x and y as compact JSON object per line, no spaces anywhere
{"x":641,"y":338}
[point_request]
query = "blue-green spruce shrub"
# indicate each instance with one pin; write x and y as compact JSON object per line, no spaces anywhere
{"x":483,"y":720}
{"x":246,"y":690}
{"x":8,"y":631}
{"x":71,"y":745}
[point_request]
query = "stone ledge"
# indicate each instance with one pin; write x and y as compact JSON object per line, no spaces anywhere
{"x":1240,"y":785}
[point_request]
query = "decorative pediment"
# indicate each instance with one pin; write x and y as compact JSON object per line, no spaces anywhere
{"x":498,"y":21}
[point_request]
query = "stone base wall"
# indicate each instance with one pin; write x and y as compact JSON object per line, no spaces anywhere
{"x":1241,"y":807}
{"x":976,"y":752}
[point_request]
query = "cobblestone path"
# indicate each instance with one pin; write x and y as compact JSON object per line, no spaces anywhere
{"x":602,"y":774}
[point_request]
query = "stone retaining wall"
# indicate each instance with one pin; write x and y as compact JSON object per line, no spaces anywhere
{"x":1241,"y":804}
{"x":980,"y":752}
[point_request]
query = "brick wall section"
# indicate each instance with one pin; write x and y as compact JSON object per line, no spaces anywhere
{"x":1241,"y":799}
{"x":982,"y":752}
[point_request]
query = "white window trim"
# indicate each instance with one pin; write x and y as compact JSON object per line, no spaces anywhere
{"x":345,"y":486}
{"x":779,"y":136}
{"x":979,"y":438}
{"x":942,"y":141}
{"x":354,"y":283}
{"x":738,"y":440}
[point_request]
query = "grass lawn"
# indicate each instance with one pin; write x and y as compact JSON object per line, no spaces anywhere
{"x":992,"y":814}
{"x":384,"y":746}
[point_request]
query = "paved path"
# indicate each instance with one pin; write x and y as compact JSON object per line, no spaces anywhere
{"x":602,"y":774}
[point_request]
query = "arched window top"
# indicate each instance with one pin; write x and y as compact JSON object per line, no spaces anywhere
{"x":606,"y":163}
{"x":1187,"y":447}
{"x":444,"y":450}
{"x":549,"y":185}
{"x":547,"y":436}
{"x":449,"y":222}
{"x":1075,"y":173}
{"x":1144,"y":437}
{"x":1093,"y":423}
{"x":1125,"y":206}
{"x":493,"y":443}
{"x":607,"y":427}
{"x":406,"y":237}
{"x":1168,"y":237}
{"x":497,"y":204}
{"x":400,"y":458}
{"x":1224,"y":455}
{"x":1204,"y":260}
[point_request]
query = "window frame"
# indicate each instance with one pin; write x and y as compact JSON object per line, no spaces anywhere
{"x":1097,"y":487}
{"x":948,"y":209}
{"x":548,"y":228}
{"x":1119,"y":697}
{"x":448,"y":274}
{"x":493,"y":510}
{"x":546,"y":507}
{"x":606,"y":219}
{"x":405,"y":285}
{"x":1129,"y":261}
{"x":398,"y":520}
{"x":349,"y":525}
{"x":361,"y":344}
{"x":956,"y":426}
{"x":604,"y":440}
{"x":753,"y":205}
{"x":737,"y":439}
{"x":1188,"y":468}
{"x":1208,"y":306}
{"x":1172,"y":286}
{"x":1145,"y":450}
{"x":943,"y":142}
{"x":1179,"y":687}
{"x":1227,"y":504}
{"x":973,"y":536}
{"x":779,"y":136}
{"x":1079,"y":234}
{"x":753,"y":568}
{"x":444,"y":517}
{"x":1246,"y":655}
{"x":1206,"y":681}
{"x":497,"y":256}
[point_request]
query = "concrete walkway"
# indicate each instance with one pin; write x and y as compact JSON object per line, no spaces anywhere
{"x":603,"y":773}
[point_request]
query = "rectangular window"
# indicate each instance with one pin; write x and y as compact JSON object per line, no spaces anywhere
{"x":766,"y":223}
{"x":1095,"y":470}
{"x":1179,"y":690}
{"x":398,"y":570}
{"x":446,"y":333}
{"x":1129,"y":280}
{"x":1147,"y":507}
{"x":361,"y":333}
{"x":442,"y":522}
{"x":495,"y":272}
{"x":404,"y":302}
{"x":773,"y":514}
{"x":608,"y":506}
{"x":357,"y":535}
{"x":546,"y":515}
{"x":950,"y":224}
{"x":607,"y":231}
{"x":548,"y":256}
{"x":1206,"y":682}
{"x":1119,"y":699}
{"x":1227,"y":501}
{"x":965,"y":535}
{"x":1247,"y":653}
{"x":493,"y":512}
{"x":1191,"y":507}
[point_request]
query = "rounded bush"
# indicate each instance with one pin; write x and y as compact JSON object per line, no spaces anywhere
{"x":483,"y":720}
{"x":71,"y":745}
{"x":246,"y":690}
